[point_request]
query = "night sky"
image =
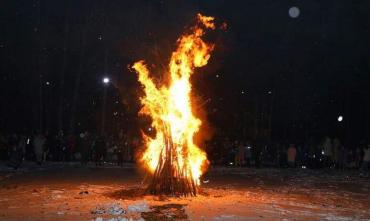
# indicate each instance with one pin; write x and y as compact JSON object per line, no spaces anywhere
{"x":268,"y":70}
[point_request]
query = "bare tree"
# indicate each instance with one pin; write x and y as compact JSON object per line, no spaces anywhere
{"x":80,"y":70}
{"x":63,"y":69}
{"x":41,"y":60}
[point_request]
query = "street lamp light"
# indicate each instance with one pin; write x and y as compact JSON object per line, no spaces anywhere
{"x":106,"y":80}
{"x":340,"y":118}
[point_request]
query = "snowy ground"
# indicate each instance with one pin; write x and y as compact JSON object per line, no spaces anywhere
{"x":70,"y":192}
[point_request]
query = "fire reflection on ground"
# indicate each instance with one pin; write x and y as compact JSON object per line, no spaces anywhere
{"x":70,"y":193}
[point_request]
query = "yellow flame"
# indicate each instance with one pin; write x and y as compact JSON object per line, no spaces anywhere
{"x":170,"y":106}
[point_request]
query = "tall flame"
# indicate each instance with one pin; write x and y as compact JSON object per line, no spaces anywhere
{"x":170,"y":106}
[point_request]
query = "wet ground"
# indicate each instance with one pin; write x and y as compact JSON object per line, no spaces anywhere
{"x":71,"y":192}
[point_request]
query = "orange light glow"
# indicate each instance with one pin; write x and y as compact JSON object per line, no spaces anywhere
{"x":170,"y":106}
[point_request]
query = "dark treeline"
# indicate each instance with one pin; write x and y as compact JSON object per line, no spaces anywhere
{"x":271,"y":77}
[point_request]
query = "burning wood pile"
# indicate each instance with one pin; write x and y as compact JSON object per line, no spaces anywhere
{"x":173,"y":160}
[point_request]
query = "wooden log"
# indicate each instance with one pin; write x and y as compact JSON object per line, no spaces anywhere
{"x":169,"y":178}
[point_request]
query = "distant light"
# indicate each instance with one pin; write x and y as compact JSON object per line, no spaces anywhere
{"x":249,"y":147}
{"x":243,"y":92}
{"x":100,"y":37}
{"x":322,"y":152}
{"x":106,"y":80}
{"x":47,"y":83}
{"x":340,"y":118}
{"x":269,"y":92}
{"x":217,"y":76}
{"x":294,"y":12}
{"x":149,"y":129}
{"x":231,"y":163}
{"x":115,"y":113}
{"x":28,"y":141}
{"x":304,"y":167}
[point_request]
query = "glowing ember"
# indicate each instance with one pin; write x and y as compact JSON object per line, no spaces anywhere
{"x":172,"y":158}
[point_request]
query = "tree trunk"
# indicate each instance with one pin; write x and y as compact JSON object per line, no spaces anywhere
{"x":103,"y":118}
{"x":78,"y":75}
{"x":41,"y":62}
{"x":63,"y":70}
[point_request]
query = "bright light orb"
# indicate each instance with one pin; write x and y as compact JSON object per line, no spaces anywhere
{"x":340,"y":118}
{"x":106,"y":80}
{"x":294,"y":12}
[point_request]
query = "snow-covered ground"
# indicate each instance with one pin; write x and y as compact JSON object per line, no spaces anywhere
{"x":71,"y":192}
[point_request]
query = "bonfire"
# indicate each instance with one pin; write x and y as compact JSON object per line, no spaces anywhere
{"x":175,"y":163}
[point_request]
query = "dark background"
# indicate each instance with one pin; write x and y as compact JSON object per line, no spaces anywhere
{"x":271,"y":76}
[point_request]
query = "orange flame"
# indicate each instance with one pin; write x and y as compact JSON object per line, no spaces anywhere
{"x":170,"y":106}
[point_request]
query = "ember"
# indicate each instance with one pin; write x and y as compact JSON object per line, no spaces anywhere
{"x":172,"y":158}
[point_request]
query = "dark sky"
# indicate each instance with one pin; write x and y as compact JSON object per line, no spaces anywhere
{"x":300,"y":73}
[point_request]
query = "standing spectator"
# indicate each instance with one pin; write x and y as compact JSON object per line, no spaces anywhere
{"x":99,"y":150}
{"x":282,"y":156}
{"x":237,"y":156}
{"x":85,"y":147}
{"x":358,"y":156}
{"x":292,"y":153}
{"x":38,"y":145}
{"x":126,"y":149}
{"x":119,"y":153}
{"x":365,"y":162}
{"x":248,"y":154}
{"x":111,"y":150}
{"x":71,"y":146}
{"x":327,"y":152}
{"x":3,"y":147}
{"x":47,"y":146}
{"x":93,"y":139}
{"x":134,"y":145}
{"x":53,"y":147}
{"x":336,"y":151}
{"x":120,"y":147}
{"x":18,"y":149}
{"x":30,"y":153}
{"x":351,"y":159}
{"x":61,"y":147}
{"x":299,"y":159}
{"x":241,"y":153}
{"x":342,"y":160}
{"x":13,"y":143}
{"x":22,"y":145}
{"x":256,"y":153}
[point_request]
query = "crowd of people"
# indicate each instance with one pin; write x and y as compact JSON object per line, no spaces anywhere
{"x":84,"y":147}
{"x":325,"y":153}
{"x":87,"y":147}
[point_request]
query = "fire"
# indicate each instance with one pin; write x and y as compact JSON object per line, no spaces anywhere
{"x":170,"y":108}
